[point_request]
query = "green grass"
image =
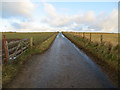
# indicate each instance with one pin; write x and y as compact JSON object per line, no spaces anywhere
{"x":10,"y":71}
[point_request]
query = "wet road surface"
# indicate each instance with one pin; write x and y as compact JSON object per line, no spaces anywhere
{"x":62,"y":66}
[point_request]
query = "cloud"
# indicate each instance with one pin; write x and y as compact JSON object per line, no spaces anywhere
{"x":32,"y":26}
{"x":110,"y":23}
{"x":11,"y":9}
{"x":61,"y":20}
{"x":50,"y":10}
{"x":53,"y":18}
{"x":5,"y":25}
{"x":54,"y":21}
{"x":101,"y":22}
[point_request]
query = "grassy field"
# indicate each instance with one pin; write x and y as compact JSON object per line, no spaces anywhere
{"x":95,"y":37}
{"x":42,"y":41}
{"x":105,"y":54}
{"x":37,"y":37}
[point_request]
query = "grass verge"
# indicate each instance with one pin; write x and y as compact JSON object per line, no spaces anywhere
{"x":103,"y":54}
{"x":10,"y":71}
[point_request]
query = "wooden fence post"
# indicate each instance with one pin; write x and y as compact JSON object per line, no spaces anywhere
{"x":101,"y":38}
{"x":90,"y":36}
{"x":31,"y":42}
{"x":83,"y":34}
{"x":5,"y":49}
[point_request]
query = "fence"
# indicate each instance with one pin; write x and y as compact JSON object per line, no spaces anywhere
{"x":14,"y":48}
{"x":92,"y":36}
{"x":108,"y":38}
{"x":89,"y":36}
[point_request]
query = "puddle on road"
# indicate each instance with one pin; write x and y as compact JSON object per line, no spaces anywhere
{"x":63,"y":35}
{"x":58,"y":36}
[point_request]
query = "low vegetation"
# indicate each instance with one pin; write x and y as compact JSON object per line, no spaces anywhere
{"x":105,"y":53}
{"x":42,"y":42}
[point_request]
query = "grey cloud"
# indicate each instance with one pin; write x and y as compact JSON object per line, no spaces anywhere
{"x":19,"y":9}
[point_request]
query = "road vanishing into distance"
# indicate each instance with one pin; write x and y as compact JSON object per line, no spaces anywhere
{"x":62,"y":66}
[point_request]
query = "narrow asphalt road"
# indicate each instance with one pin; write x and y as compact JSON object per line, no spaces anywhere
{"x":62,"y":66}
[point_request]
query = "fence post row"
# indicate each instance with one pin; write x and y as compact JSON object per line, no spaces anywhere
{"x":5,"y":44}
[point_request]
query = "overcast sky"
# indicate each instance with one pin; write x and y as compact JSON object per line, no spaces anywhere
{"x":44,"y":16}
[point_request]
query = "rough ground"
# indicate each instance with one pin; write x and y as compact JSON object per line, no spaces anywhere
{"x":62,"y":66}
